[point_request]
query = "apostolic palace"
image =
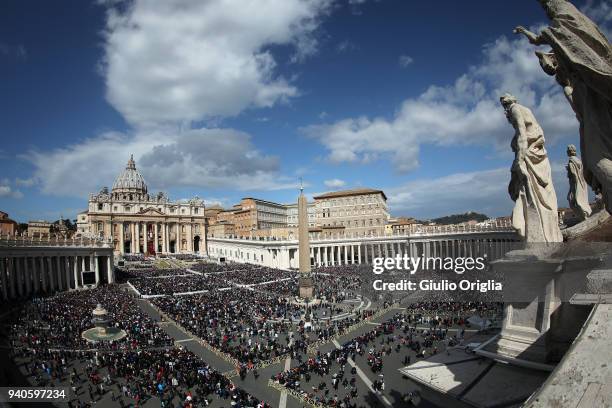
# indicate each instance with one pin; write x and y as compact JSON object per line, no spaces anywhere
{"x":143,"y":223}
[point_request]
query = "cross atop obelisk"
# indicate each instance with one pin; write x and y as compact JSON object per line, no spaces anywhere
{"x":305,"y":283}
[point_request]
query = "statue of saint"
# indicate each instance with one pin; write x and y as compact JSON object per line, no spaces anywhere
{"x":581,"y":61}
{"x":535,"y":211}
{"x":578,"y":195}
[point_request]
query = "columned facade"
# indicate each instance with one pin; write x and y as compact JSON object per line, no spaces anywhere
{"x":143,"y":223}
{"x":26,"y":271}
{"x":330,"y":252}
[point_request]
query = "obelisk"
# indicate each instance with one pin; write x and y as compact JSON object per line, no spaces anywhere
{"x":305,"y":282}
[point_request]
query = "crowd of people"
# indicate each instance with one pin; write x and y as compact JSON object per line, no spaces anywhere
{"x":257,"y":274}
{"x":182,"y":282}
{"x":174,"y":376}
{"x":247,"y":312}
{"x":210,"y":267}
{"x":58,"y":321}
{"x":146,"y":271}
{"x":248,"y":325}
{"x":330,"y":378}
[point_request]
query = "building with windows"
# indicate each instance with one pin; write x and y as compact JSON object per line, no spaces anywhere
{"x":39,"y":229}
{"x":256,"y":214}
{"x":292,"y":214}
{"x":353,"y":213}
{"x":143,"y":223}
{"x":400,"y":226}
{"x":7,"y":226}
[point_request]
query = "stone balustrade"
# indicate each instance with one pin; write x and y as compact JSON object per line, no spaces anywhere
{"x":24,"y":240}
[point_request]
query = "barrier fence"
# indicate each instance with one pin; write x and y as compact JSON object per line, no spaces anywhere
{"x":314,"y":346}
{"x":307,"y":402}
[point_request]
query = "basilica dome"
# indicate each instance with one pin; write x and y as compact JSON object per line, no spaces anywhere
{"x":130,"y":181}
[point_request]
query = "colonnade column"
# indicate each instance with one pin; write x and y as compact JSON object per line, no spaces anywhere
{"x":96,"y":268}
{"x":19,"y":276}
{"x":52,"y":279}
{"x":145,"y":238}
{"x":76,"y":272}
{"x":58,"y":273}
{"x":109,"y":270}
{"x":359,"y":254}
{"x":43,"y":276}
{"x":3,"y":279}
{"x":67,"y":271}
{"x":10,"y":272}
{"x":28,"y":276}
{"x":155,"y":241}
{"x":137,"y":228}
{"x":121,"y":238}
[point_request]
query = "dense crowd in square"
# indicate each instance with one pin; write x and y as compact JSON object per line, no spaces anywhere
{"x":58,"y":321}
{"x":180,"y":283}
{"x":174,"y":376}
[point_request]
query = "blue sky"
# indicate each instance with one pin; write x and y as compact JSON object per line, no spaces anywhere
{"x":241,"y":98}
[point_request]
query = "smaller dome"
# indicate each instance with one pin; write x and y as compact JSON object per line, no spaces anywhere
{"x":130,"y":180}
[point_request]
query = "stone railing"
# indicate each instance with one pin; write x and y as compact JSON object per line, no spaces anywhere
{"x":412,"y":231}
{"x":24,"y":240}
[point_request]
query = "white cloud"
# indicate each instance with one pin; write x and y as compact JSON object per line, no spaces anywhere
{"x":6,"y":191}
{"x":17,"y":51}
{"x":345,"y":46}
{"x":195,"y":60}
{"x":405,"y":60}
{"x":483,"y":191}
{"x":466,"y":112}
{"x":193,"y":158}
{"x":215,"y":202}
{"x":334,"y":183}
{"x":170,"y":64}
{"x":29,"y":182}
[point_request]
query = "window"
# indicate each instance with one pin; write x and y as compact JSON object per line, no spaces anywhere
{"x":195,"y":210}
{"x":100,"y":206}
{"x":115,"y":208}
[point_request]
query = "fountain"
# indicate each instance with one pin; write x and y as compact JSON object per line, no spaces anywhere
{"x":102,"y":331}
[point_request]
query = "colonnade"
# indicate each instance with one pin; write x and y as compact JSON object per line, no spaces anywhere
{"x":284,"y":255}
{"x":330,"y":254}
{"x":22,"y":275}
{"x":165,"y":237}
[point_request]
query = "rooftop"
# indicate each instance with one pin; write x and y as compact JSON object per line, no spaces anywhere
{"x":348,"y":193}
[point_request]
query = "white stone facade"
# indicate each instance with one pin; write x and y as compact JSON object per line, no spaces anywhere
{"x":442,"y":242}
{"x":141,"y":223}
{"x":44,"y":265}
{"x":361,"y":212}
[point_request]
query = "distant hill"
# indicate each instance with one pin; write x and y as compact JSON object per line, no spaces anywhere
{"x":459,"y":218}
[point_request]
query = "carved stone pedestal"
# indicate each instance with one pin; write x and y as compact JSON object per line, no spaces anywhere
{"x":306,"y":287}
{"x":539,"y":322}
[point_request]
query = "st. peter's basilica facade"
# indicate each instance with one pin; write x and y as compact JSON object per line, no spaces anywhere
{"x":140,"y":223}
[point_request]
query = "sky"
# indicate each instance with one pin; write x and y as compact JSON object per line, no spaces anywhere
{"x":226,"y":99}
